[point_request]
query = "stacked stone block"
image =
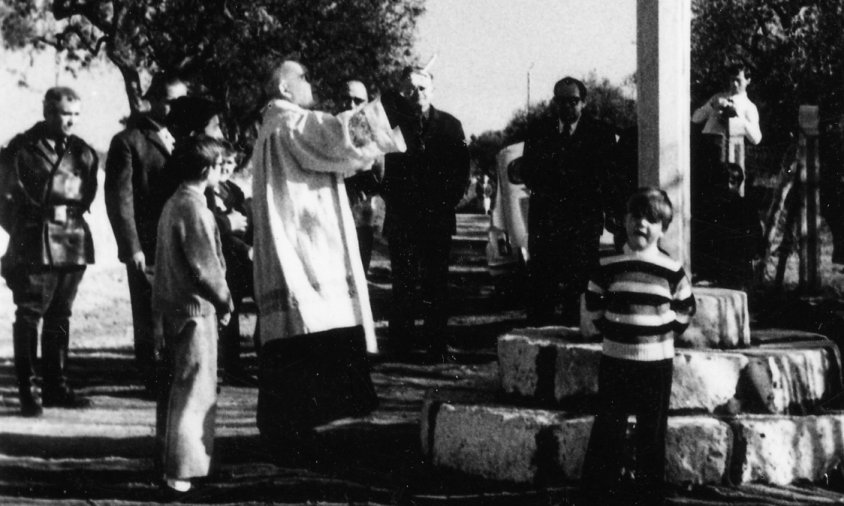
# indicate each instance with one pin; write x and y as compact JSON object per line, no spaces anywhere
{"x":746,"y":407}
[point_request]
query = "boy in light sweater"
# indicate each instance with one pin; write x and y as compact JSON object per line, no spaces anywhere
{"x":638,"y":300}
{"x":189,"y":296}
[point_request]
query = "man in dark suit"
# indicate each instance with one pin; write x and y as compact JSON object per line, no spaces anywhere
{"x":565,"y":166}
{"x":49,"y":179}
{"x":134,"y":197}
{"x":421,"y":188}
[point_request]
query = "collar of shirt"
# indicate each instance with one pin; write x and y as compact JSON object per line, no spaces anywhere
{"x":561,"y":126}
{"x":53,"y":143}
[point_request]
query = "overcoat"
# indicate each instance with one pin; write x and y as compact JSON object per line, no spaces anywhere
{"x":568,"y":183}
{"x":44,"y":195}
{"x":308,"y":272}
{"x":137,"y":186}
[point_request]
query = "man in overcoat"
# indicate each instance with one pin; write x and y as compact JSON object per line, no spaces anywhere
{"x":421,"y":188}
{"x":49,"y":179}
{"x":136,"y":189}
{"x":565,"y":166}
{"x":313,"y":302}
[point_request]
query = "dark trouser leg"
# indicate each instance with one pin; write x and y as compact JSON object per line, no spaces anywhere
{"x":403,"y":264}
{"x":542,"y":289}
{"x":603,"y":462}
{"x":652,"y":424}
{"x":230,"y":342}
{"x":25,"y":339}
{"x":433,"y":259}
{"x":55,"y":335}
{"x":31,"y":292}
{"x":140,"y":294}
{"x":366,"y":238}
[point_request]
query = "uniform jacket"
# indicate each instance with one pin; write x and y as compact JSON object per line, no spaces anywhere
{"x":567,"y":180}
{"x":423,"y":185}
{"x":308,"y":272}
{"x":44,"y":196}
{"x":136,"y":187}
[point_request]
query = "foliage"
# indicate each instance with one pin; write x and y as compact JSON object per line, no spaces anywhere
{"x":227,"y":47}
{"x":605,"y":101}
{"x":796,"y":49}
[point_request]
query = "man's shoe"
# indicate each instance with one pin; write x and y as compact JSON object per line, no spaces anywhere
{"x":64,"y":397}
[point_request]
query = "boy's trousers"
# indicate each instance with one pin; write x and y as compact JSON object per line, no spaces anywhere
{"x":629,"y":387}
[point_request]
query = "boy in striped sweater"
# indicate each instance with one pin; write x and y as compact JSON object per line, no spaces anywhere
{"x":638,"y":300}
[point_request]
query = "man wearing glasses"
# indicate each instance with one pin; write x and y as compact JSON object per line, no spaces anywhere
{"x":565,"y":166}
{"x":362,"y":188}
{"x":422,"y":188}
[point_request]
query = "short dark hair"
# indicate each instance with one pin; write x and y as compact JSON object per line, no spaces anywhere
{"x":191,"y":114}
{"x":568,"y":81}
{"x":194,"y":154}
{"x":735,"y":67}
{"x":652,"y":204}
{"x":160,"y":81}
{"x":58,"y":93}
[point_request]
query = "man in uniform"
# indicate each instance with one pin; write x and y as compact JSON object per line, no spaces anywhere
{"x":49,"y":179}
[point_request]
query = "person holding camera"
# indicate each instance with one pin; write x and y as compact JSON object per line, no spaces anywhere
{"x":729,"y":118}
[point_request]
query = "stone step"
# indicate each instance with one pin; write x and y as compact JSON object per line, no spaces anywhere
{"x":536,"y":446}
{"x":790,"y":372}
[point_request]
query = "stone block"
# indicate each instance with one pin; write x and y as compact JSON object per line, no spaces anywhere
{"x":697,"y":449}
{"x":549,"y":370}
{"x":547,"y":364}
{"x":497,"y":443}
{"x":788,"y":380}
{"x":722,"y":320}
{"x":526,"y":445}
{"x":791,"y":373}
{"x":782,"y":449}
{"x":705,"y":379}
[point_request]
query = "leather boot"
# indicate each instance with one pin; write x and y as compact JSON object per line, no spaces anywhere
{"x":54,"y":343}
{"x":25,"y":339}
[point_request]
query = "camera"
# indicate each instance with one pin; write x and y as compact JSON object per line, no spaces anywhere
{"x":727,"y":110}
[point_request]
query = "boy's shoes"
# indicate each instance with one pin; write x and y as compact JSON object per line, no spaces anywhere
{"x":64,"y":397}
{"x":174,"y":490}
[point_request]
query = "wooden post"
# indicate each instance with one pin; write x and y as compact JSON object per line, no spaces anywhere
{"x":663,"y":82}
{"x":808,"y":179}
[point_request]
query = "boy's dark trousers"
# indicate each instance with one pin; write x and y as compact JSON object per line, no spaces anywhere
{"x":628,"y":387}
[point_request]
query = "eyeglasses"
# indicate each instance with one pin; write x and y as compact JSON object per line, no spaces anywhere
{"x":354,"y":100}
{"x":567,"y":100}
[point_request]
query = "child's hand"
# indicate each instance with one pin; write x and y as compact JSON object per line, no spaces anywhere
{"x":224,"y":319}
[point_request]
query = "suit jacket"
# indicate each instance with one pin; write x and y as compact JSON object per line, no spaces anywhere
{"x":423,"y":185}
{"x":45,"y":194}
{"x":568,"y":181}
{"x":137,"y":187}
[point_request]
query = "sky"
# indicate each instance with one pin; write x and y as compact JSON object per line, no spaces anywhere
{"x":485,"y":48}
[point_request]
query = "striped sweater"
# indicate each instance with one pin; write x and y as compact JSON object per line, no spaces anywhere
{"x":638,"y":301}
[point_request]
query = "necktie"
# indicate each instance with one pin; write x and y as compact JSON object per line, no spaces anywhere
{"x":61,"y":144}
{"x":566,"y":133}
